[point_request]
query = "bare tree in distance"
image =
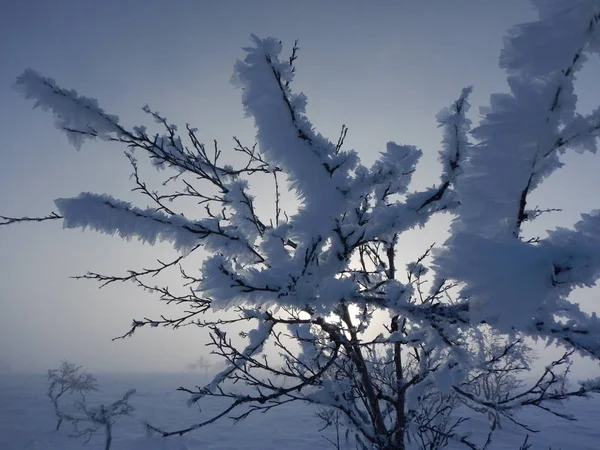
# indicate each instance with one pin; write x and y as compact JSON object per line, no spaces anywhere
{"x":311,"y":281}
{"x":68,"y":379}
{"x":89,"y":420}
{"x":201,"y":364}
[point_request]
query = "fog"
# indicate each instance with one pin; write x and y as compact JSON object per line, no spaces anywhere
{"x":384,"y":69}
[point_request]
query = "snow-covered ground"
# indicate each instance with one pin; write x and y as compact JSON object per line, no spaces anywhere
{"x":27,"y":421}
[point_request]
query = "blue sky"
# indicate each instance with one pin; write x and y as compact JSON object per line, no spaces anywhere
{"x":383,"y":68}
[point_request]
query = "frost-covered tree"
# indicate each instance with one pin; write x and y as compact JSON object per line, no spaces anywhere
{"x":87,"y":420}
{"x":68,"y":379}
{"x":312,"y":281}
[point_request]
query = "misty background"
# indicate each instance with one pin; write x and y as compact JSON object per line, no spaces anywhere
{"x":383,"y":68}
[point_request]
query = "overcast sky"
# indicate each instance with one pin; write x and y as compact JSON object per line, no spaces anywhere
{"x":384,"y":68}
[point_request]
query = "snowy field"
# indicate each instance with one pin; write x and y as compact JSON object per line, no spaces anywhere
{"x":27,"y":421}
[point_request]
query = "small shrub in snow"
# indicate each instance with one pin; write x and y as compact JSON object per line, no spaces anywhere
{"x":68,"y":379}
{"x":88,"y":420}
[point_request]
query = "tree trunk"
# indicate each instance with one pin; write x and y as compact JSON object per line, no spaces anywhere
{"x":355,"y":353}
{"x":108,"y":436}
{"x":398,"y":438}
{"x":400,"y":399}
